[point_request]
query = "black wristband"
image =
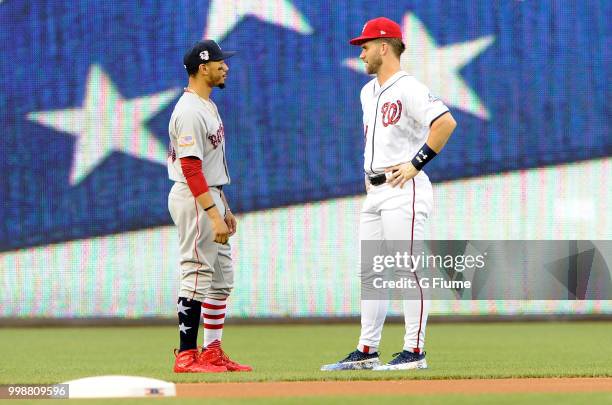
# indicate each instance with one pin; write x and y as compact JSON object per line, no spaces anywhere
{"x":424,"y":156}
{"x":212,"y":206}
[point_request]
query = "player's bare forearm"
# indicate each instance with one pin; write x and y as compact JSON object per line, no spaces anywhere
{"x":230,"y":219}
{"x":227,"y":207}
{"x":220,"y":228}
{"x":205,"y":200}
{"x":440,"y":132}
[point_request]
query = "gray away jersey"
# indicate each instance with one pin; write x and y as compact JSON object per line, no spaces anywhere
{"x":196,"y":129}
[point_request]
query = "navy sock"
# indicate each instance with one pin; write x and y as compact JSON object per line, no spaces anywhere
{"x":189,"y":321}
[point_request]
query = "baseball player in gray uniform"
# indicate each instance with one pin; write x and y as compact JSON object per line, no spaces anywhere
{"x":405,"y":127}
{"x":197,"y":165}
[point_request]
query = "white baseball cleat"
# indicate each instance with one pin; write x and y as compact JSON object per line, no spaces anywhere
{"x":404,"y":360}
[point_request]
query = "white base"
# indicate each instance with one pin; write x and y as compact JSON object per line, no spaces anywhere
{"x":119,"y":386}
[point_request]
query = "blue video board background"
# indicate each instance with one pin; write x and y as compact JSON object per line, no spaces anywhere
{"x":533,"y":91}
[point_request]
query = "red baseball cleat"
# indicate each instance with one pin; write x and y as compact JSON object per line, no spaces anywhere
{"x":187,"y":362}
{"x":216,"y":356}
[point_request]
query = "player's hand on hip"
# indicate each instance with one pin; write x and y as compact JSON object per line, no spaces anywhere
{"x":400,"y":174}
{"x":220,"y":229}
{"x":230,"y":221}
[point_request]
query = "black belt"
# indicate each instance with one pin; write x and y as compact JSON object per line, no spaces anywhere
{"x":377,"y":180}
{"x":220,"y":188}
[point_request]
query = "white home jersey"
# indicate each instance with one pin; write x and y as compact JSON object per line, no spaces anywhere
{"x":396,"y":119}
{"x":196,"y":129}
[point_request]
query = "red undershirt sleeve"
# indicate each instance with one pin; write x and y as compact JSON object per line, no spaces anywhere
{"x":192,"y":170}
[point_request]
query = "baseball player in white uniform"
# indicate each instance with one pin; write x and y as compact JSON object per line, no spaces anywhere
{"x":405,"y":127}
{"x":197,"y":165}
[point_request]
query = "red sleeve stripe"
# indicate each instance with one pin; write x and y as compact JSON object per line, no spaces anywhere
{"x":192,"y":170}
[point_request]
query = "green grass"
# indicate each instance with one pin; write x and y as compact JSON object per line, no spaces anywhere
{"x":51,"y":355}
{"x":438,"y":399}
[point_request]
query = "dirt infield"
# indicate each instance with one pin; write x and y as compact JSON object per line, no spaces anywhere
{"x":315,"y":388}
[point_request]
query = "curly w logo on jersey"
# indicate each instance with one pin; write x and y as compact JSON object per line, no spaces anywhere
{"x":391,"y":113}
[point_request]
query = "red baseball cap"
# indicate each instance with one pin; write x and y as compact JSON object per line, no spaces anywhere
{"x":380,"y":27}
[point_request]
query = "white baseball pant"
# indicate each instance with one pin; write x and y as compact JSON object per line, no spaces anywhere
{"x":390,"y":214}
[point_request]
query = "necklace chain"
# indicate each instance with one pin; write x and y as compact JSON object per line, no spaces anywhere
{"x":209,"y":105}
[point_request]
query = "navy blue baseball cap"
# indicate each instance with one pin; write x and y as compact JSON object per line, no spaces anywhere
{"x":203,"y":52}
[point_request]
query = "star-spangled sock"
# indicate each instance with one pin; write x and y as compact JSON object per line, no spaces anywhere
{"x":213,"y":313}
{"x":189,"y":322}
